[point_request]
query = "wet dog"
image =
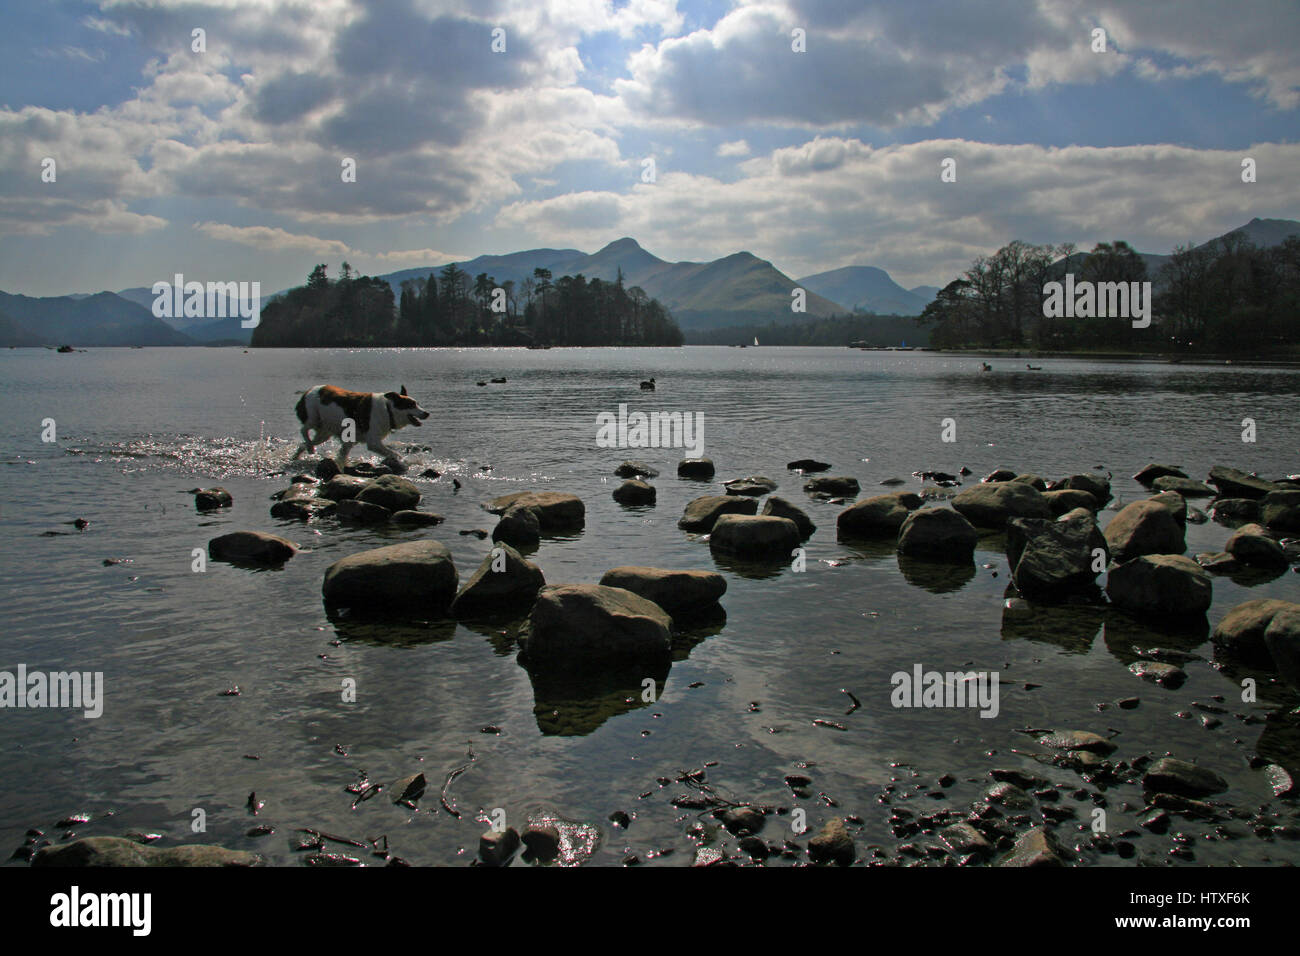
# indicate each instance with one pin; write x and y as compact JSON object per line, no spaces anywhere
{"x":355,"y":418}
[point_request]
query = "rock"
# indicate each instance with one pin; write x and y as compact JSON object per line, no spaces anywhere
{"x":409,"y":789}
{"x":1282,"y":641}
{"x":962,"y":838}
{"x":1280,"y":780}
{"x":837,"y":486}
{"x":1186,"y":487}
{"x":518,"y":527}
{"x":1051,"y":560}
{"x":416,"y":519}
{"x":938,"y":533}
{"x":1236,"y":509}
{"x":833,"y":844}
{"x":496,"y":849}
{"x":326,"y":469}
{"x":391,"y":492}
{"x":808,"y":465}
{"x":1067,"y":499}
{"x":634,"y":492}
{"x":877,"y":517}
{"x":743,"y":821}
{"x":755,"y":486}
{"x":991,"y":505}
{"x":1035,"y":481}
{"x":301,"y":509}
{"x":206,"y":499}
{"x":555,"y":510}
{"x":1076,"y":740}
{"x":1250,"y":544}
{"x":1166,"y":675}
{"x":361,"y":512}
{"x":1001,"y":474}
{"x":417,"y":573}
{"x":1241,"y":632}
{"x":542,"y":842}
{"x":1218,"y":562}
{"x":1099,"y":488}
{"x":342,"y":487}
{"x":1169,"y":584}
{"x":702,"y":513}
{"x":1034,"y":847}
{"x":1176,"y":504}
{"x":636,"y":469}
{"x":699,"y":469}
{"x":1233,"y":483}
{"x":1170,"y":775}
{"x":1008,"y":796}
{"x":118,"y":851}
{"x":1144,"y":527}
{"x":251,"y":547}
{"x":505,"y":583}
{"x":1280,"y":510}
{"x":300,"y":490}
{"x":754,"y":536}
{"x":576,"y":624}
{"x":676,"y":592}
{"x":780,"y":508}
{"x":1153,"y":471}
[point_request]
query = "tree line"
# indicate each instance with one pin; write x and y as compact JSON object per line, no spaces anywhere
{"x":448,"y":308}
{"x":1228,"y":295}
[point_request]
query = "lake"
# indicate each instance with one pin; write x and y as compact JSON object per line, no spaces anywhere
{"x":137,"y":428}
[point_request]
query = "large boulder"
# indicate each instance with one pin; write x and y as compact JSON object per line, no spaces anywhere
{"x":676,"y":592}
{"x":780,"y":508}
{"x":991,"y":505}
{"x":1280,"y":510}
{"x":1051,"y":560}
{"x":391,"y":492}
{"x":1067,"y":499}
{"x":518,"y":527}
{"x":105,"y":851}
{"x":837,"y":486}
{"x":1187,"y":487}
{"x":1240,"y":634}
{"x":1282,"y":640}
{"x":1096,"y":486}
{"x":361,"y":512}
{"x":1176,"y":504}
{"x":1228,"y":510}
{"x":1234,"y":483}
{"x":504,"y":583}
{"x":574,"y":625}
{"x":938,"y":533}
{"x":251,"y":547}
{"x":1144,"y":527}
{"x":555,"y":510}
{"x":698,"y":469}
{"x":880,"y":516}
{"x":1250,"y":544}
{"x":1167,"y":584}
{"x":415,"y":574}
{"x":754,"y":536}
{"x":702,"y":513}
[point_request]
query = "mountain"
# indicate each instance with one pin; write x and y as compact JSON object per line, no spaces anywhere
{"x":103,"y":319}
{"x":866,"y":289}
{"x":926,"y":292}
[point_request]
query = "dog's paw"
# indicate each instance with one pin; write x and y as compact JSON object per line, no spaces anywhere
{"x":395,"y":465}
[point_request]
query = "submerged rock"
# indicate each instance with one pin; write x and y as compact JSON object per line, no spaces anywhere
{"x":808,"y":465}
{"x":1153,"y":471}
{"x":1170,"y":775}
{"x":416,"y":519}
{"x":342,"y":487}
{"x":837,"y":486}
{"x":580,"y":624}
{"x":832,"y":844}
{"x":1251,"y":544}
{"x":414,"y":574}
{"x":361,"y":512}
{"x":118,"y":851}
{"x":1169,"y":584}
{"x":636,"y":469}
{"x":755,"y":486}
{"x":1234,"y":483}
{"x":251,"y":547}
{"x":555,"y":511}
{"x":674,"y":591}
{"x":206,"y":499}
{"x":1186,"y":487}
{"x":702,"y":513}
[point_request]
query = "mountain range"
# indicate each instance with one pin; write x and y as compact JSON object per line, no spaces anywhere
{"x":737,"y":290}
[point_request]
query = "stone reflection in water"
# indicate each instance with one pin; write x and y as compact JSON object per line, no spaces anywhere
{"x":391,"y":632}
{"x":690,"y":629}
{"x":754,"y":570}
{"x":937,"y":577}
{"x":1071,"y":627}
{"x":571,"y":702}
{"x":1279,"y":742}
{"x":1125,"y":630}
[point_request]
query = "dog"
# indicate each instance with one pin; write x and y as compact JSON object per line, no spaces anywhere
{"x":372,"y":416}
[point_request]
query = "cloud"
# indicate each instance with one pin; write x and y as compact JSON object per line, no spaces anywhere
{"x":273,"y":239}
{"x":736,"y":147}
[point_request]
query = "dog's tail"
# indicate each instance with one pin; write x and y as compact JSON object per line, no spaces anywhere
{"x":301,"y":408}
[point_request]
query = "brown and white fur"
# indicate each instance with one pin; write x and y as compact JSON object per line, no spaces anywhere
{"x":325,"y":409}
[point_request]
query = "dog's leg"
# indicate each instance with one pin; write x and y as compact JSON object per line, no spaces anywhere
{"x":341,"y":459}
{"x":308,"y":444}
{"x":390,"y":457}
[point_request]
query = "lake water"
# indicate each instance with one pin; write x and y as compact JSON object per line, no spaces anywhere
{"x":137,"y":428}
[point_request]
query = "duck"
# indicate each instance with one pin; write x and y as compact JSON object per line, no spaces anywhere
{"x":985,"y":367}
{"x":1033,"y":368}
{"x":648,"y":386}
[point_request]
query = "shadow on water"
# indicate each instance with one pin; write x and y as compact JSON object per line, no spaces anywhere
{"x":573,"y":703}
{"x":1071,"y":627}
{"x":755,"y":570}
{"x":1125,"y":630}
{"x":869,"y":550}
{"x":693,"y":628}
{"x":937,"y":577}
{"x":1280,"y":740}
{"x":390,"y":631}
{"x":502,"y":633}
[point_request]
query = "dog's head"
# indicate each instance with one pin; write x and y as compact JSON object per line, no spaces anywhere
{"x":404,"y":410}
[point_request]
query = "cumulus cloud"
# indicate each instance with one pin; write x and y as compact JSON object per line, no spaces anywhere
{"x":737,"y":147}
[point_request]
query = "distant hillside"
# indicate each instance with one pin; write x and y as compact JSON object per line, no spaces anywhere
{"x":926,"y":292}
{"x":866,"y":289}
{"x":103,"y":319}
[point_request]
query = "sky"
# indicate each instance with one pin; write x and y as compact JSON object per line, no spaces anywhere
{"x":811,"y":133}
